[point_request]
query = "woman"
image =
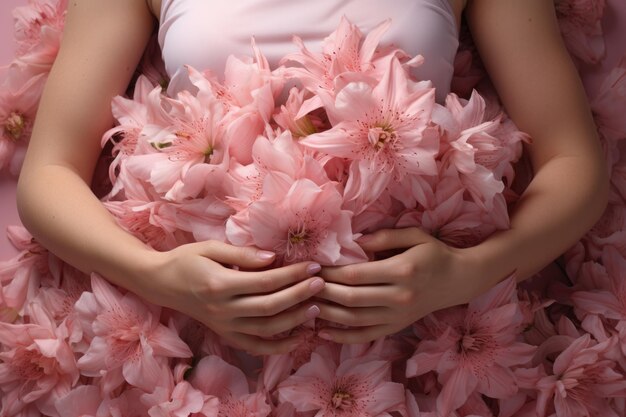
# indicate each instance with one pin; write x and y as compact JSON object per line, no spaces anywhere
{"x":522,"y":50}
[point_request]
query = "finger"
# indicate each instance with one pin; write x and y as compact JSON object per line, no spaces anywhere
{"x":354,"y":317}
{"x":388,"y":239}
{"x":351,"y":336}
{"x":271,"y":280}
{"x":282,"y":322}
{"x":258,"y":346}
{"x":365,"y":273}
{"x":274,"y":303}
{"x":241,"y":256}
{"x":361,"y":296}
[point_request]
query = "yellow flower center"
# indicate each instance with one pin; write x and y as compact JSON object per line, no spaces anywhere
{"x":380,"y":135}
{"x":341,"y":400}
{"x":14,"y":126}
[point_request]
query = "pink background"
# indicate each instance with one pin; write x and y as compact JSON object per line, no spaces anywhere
{"x":8,"y":212}
{"x":616,"y":49}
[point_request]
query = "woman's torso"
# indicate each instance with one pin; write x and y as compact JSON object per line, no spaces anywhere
{"x":202,"y":33}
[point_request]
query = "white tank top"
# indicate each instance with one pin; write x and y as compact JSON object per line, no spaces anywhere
{"x":202,"y":33}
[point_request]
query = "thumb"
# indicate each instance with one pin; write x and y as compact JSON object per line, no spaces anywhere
{"x":248,"y":257}
{"x":388,"y":239}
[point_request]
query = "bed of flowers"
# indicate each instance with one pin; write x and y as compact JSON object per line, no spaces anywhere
{"x":303,"y":159}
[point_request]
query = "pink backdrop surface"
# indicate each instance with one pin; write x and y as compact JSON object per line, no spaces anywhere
{"x":8,"y":211}
{"x":614,"y":26}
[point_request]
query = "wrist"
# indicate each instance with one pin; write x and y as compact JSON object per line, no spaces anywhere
{"x":145,"y":272}
{"x":478,"y":270}
{"x":133,"y":269}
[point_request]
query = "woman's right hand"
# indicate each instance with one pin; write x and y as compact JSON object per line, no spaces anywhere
{"x":246,"y":308}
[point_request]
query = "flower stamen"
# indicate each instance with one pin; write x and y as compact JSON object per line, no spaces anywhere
{"x":342,"y":400}
{"x":15,"y":125}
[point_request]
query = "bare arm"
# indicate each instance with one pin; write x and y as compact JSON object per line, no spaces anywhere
{"x":102,"y":43}
{"x":521,"y":46}
{"x":100,"y":49}
{"x":523,"y":52}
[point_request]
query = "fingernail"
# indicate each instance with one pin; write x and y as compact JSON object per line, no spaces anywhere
{"x":317,"y":285}
{"x":265,"y":255}
{"x":325,"y":336}
{"x":312,"y":312}
{"x":364,"y":239}
{"x":313,"y":269}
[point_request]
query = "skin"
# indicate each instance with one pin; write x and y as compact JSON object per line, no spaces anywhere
{"x":521,"y":47}
{"x":534,"y":76}
{"x":102,"y":43}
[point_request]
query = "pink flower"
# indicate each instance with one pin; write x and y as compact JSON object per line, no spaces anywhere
{"x":19,"y":280}
{"x":193,"y":133}
{"x":480,"y":147}
{"x":128,"y":403}
{"x":450,"y":217}
{"x":474,"y":348}
{"x":277,"y":368}
{"x":132,"y":116}
{"x":175,"y":397}
{"x":380,"y":129}
{"x":38,"y":365}
{"x":248,"y":93}
{"x":38,"y":31}
{"x":217,"y":378}
{"x":607,"y":102}
{"x":580,"y":22}
{"x":154,"y":223}
{"x":466,"y":74}
{"x":297,"y":118}
{"x":608,"y":294}
{"x":582,"y":380}
{"x":312,"y":225}
{"x":356,"y":387}
{"x":57,"y":298}
{"x":82,"y":401}
{"x":344,"y":50}
{"x":129,"y":343}
{"x":280,"y":154}
{"x":18,"y":106}
{"x":247,"y":83}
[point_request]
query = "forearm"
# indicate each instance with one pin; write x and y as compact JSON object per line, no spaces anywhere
{"x":62,"y":213}
{"x":563,"y":201}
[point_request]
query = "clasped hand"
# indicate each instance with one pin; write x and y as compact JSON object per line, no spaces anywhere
{"x":246,"y":305}
{"x":381,"y":297}
{"x":249,"y":306}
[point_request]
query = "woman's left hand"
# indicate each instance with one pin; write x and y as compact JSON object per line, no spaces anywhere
{"x":382,"y":297}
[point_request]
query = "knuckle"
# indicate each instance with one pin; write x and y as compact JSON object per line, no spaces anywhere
{"x":349,"y":298}
{"x":352,"y":319}
{"x":210,"y":245}
{"x":383,"y":236}
{"x":265,"y":283}
{"x":351,"y":276}
{"x":213,"y":287}
{"x":269,"y":308}
{"x":404,"y":298}
{"x":406,"y":270}
{"x":242,"y":252}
